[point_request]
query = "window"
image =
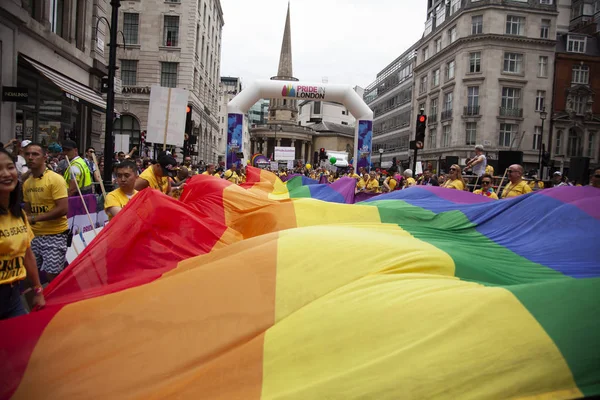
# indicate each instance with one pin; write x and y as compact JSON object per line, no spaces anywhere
{"x":433,"y":108}
{"x":537,"y":138}
{"x":452,"y":34}
{"x":475,"y":62}
{"x":171,"y":31}
{"x":574,"y":144}
{"x":454,"y":6}
{"x":545,"y":29}
{"x":317,"y":107}
{"x":428,"y":26}
{"x":432,"y":138}
{"x":446,"y":136}
{"x":511,"y":98}
{"x":579,"y":104}
{"x":580,"y":75}
{"x":440,"y":14}
{"x":450,"y":70}
{"x":540,"y":98}
{"x":543,"y":67}
{"x":514,"y":25}
{"x":576,"y":44}
{"x":425,"y":53}
{"x":168,"y":74}
{"x":507,"y":131}
{"x":547,"y":2}
{"x":473,"y":100}
{"x":128,"y":125}
{"x":558,"y":148}
{"x":471,"y":134}
{"x":435,"y":78}
{"x":591,"y":148}
{"x":129,"y":72}
{"x":476,"y":24}
{"x":423,"y":84}
{"x":57,"y":11}
{"x":513,"y":63}
{"x":438,"y":45}
{"x":131,"y":24}
{"x":448,"y":98}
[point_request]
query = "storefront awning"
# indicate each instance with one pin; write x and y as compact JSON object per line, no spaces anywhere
{"x":69,"y":86}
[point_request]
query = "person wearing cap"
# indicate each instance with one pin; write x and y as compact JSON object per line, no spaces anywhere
{"x":517,"y":185}
{"x":231,"y":175}
{"x":78,"y":173}
{"x":479,"y":162}
{"x":558,"y":180}
{"x":157,"y":176}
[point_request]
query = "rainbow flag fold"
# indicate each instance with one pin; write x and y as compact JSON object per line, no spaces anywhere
{"x":274,"y":290}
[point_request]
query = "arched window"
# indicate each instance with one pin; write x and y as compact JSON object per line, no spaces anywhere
{"x":574,"y":143}
{"x":128,"y":125}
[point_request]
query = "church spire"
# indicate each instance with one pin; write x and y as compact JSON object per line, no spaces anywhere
{"x":285,"y":58}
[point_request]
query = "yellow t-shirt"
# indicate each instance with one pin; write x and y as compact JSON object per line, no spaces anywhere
{"x":41,"y":194}
{"x":231,"y":176}
{"x":391,"y":182}
{"x":454,"y":184}
{"x":116,"y":198}
{"x":491,"y":195}
{"x":360,"y":184}
{"x":15,"y":239}
{"x":489,"y":170}
{"x":373,"y":185}
{"x":532,"y":184}
{"x":515,"y":190}
{"x":149,"y":176}
{"x":409,"y":182}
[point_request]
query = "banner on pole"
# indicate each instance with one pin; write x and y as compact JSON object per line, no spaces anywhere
{"x":173,"y":121}
{"x":235,"y":125}
{"x":365,"y":139}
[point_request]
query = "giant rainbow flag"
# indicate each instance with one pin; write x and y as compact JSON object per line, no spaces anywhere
{"x":268,"y":292}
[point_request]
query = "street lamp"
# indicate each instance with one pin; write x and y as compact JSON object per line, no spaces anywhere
{"x":543,"y":115}
{"x":380,"y":155}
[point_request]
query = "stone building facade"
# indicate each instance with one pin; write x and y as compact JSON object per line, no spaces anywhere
{"x":171,"y":44}
{"x":55,"y":52}
{"x":483,"y":74}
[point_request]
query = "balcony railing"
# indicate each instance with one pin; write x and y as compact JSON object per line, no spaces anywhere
{"x":471,"y":110}
{"x":432,"y":118}
{"x":511,"y":112}
{"x":446,"y":114}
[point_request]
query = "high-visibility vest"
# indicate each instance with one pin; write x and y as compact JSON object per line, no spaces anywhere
{"x":85,"y":178}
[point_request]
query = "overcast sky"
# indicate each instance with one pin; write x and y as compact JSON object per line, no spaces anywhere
{"x":346,"y":41}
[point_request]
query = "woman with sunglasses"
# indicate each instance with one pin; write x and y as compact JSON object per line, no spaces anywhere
{"x":454,"y":179}
{"x":16,"y":258}
{"x":486,"y":187}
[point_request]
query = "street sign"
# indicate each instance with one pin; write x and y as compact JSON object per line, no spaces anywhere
{"x":166,"y":115}
{"x":15,"y":94}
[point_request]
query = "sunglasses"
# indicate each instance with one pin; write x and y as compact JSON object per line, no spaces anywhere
{"x":485,"y":183}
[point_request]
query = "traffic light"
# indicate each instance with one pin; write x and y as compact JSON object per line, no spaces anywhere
{"x":188,"y":119}
{"x":420,"y":131}
{"x":322,"y":154}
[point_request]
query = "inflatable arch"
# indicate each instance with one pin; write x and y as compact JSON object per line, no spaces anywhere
{"x":239,"y":105}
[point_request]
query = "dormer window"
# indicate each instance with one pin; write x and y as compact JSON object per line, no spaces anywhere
{"x":576,"y":44}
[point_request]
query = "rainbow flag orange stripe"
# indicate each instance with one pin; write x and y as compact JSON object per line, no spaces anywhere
{"x":241,"y":293}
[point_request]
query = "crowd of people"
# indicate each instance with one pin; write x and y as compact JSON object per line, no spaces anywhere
{"x":36,"y":183}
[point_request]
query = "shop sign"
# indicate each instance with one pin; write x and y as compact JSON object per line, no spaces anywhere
{"x":136,"y":89}
{"x":15,"y":94}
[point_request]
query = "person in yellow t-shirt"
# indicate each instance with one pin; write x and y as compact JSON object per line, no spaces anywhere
{"x":47,"y":205}
{"x":486,"y":187}
{"x":210,"y":170}
{"x":360,"y":184}
{"x":157,"y":175}
{"x":231,"y":175}
{"x":536,"y":184}
{"x":454,"y":179}
{"x":389,"y":184}
{"x":372,"y":185}
{"x":517,"y":185}
{"x":17,"y":260}
{"x":408,"y":179}
{"x":118,"y":198}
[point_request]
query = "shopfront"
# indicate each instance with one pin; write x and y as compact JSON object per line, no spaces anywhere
{"x":57,"y":108}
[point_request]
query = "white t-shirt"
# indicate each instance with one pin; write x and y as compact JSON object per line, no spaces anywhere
{"x":479,"y":169}
{"x":21,"y":165}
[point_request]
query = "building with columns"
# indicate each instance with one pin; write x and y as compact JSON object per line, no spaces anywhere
{"x":283,"y":127}
{"x":483,"y":75}
{"x":52,"y":61}
{"x":171,"y":44}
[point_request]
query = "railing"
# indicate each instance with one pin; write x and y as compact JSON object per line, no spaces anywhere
{"x":446,"y":114}
{"x":471,"y":110}
{"x":378,"y":112}
{"x":511,"y":112}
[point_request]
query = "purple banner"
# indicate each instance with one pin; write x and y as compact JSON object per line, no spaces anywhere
{"x":364,"y":146}
{"x":235,"y":125}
